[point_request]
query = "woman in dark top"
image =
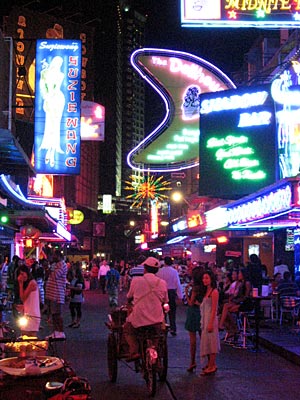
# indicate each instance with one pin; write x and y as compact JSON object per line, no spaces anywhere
{"x":194,"y":294}
{"x":242,"y":296}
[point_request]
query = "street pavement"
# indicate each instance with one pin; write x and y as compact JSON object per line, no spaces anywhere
{"x":242,"y":373}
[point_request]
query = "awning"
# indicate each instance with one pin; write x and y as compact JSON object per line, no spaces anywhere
{"x":13,"y":159}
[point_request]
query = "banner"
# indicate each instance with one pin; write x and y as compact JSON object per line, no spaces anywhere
{"x":57,"y":107}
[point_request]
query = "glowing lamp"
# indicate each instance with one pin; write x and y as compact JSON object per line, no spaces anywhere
{"x":222,"y":239}
{"x":4,"y":219}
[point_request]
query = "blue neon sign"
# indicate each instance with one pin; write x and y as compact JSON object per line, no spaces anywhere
{"x":57,"y":107}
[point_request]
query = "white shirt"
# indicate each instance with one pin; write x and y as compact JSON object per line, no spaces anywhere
{"x":148,"y":293}
{"x":171,"y":277}
{"x":103,"y":270}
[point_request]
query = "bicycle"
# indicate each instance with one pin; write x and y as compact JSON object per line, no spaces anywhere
{"x":153,"y":350}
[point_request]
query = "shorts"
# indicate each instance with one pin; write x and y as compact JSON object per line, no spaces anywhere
{"x":55,"y":308}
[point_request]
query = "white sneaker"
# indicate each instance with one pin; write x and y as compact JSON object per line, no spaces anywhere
{"x":56,"y":335}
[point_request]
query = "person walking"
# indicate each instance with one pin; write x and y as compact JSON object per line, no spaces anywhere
{"x":112,"y":286}
{"x":55,"y":293}
{"x":94,"y":276}
{"x":104,"y":267}
{"x":171,"y":277}
{"x":210,"y":342}
{"x":76,"y":297}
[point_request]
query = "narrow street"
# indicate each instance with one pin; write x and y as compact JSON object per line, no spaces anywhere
{"x":241,"y":374}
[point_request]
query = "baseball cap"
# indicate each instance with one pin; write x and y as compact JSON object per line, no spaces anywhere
{"x":151,"y":262}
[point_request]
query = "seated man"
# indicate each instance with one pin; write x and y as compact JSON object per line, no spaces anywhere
{"x":287,"y":287}
{"x":148,"y":294}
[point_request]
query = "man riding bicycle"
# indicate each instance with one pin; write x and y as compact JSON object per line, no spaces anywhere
{"x":148,"y":293}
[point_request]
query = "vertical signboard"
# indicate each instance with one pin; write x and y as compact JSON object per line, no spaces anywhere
{"x":57,"y":107}
{"x":285,"y":90}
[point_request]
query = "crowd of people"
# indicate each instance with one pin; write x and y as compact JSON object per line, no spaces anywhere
{"x":213,"y":295}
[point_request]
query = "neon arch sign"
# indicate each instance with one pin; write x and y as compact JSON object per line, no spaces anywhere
{"x":179,"y":79}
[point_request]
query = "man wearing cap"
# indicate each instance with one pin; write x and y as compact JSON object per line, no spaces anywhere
{"x":148,"y":293}
{"x":171,"y":277}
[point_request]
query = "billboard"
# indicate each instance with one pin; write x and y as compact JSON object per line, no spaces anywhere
{"x":240,"y":13}
{"x":179,"y":79}
{"x":285,"y":91}
{"x":238,"y":144}
{"x":57,"y":107}
{"x":92,"y":121}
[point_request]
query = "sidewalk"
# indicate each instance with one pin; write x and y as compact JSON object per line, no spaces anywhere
{"x":283,"y":340}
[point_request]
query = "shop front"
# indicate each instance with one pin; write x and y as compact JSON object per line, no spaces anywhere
{"x":265,"y":222}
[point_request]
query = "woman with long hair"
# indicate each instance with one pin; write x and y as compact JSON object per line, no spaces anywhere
{"x":210,"y":342}
{"x":242,"y":296}
{"x":194,"y":294}
{"x":30,"y":297}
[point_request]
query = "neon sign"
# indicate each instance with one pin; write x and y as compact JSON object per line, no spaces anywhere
{"x":237,"y":155}
{"x":57,"y":107}
{"x":179,"y":78}
{"x":271,"y":203}
{"x":264,"y":206}
{"x":286,"y":94}
{"x":240,"y":13}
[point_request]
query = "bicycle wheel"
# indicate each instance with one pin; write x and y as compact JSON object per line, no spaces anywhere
{"x":163,"y":360}
{"x":150,"y":374}
{"x":112,"y":361}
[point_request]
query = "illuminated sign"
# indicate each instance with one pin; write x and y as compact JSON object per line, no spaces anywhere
{"x":259,"y":207}
{"x":180,"y":225}
{"x":62,"y":231}
{"x":57,"y":107}
{"x":75,"y":217}
{"x":237,"y":142}
{"x":154,"y":219}
{"x":286,"y":95}
{"x":179,"y":79}
{"x":240,"y":13}
{"x":92,"y":121}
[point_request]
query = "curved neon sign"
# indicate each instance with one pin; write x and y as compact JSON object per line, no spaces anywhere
{"x":179,"y":79}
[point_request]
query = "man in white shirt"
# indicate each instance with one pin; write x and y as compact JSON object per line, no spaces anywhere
{"x":104,"y":268}
{"x":148,"y":293}
{"x":171,"y":277}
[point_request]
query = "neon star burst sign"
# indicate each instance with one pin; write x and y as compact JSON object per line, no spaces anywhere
{"x":179,"y":79}
{"x":240,"y":13}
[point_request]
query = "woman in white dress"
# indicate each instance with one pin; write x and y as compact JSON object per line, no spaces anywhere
{"x":210,"y":342}
{"x":29,"y":294}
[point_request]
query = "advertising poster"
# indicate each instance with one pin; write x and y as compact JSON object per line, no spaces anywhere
{"x":238,"y":146}
{"x":57,"y":107}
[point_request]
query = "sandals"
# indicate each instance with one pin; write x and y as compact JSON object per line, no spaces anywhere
{"x":208,"y":371}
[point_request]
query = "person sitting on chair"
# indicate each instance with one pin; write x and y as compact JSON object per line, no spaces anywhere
{"x":148,"y":293}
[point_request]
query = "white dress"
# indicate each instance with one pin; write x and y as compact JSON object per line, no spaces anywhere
{"x":32,"y":311}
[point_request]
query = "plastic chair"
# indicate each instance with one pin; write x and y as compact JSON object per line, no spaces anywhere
{"x":289,"y":305}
